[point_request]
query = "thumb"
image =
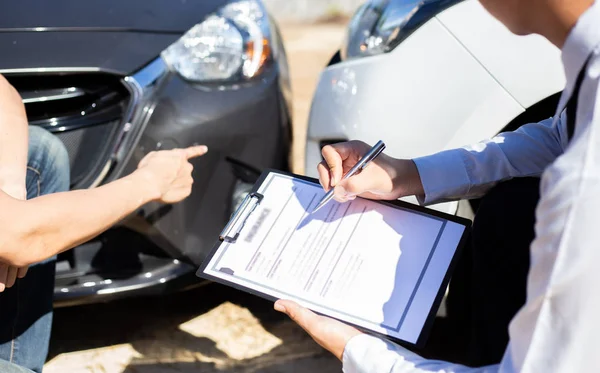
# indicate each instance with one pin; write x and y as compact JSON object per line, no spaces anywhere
{"x":304,"y":317}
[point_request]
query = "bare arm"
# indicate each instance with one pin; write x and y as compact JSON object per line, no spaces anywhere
{"x":13,"y":160}
{"x":13,"y":141}
{"x":42,"y":227}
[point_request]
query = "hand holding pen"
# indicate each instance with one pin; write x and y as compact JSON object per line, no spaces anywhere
{"x":385,"y":178}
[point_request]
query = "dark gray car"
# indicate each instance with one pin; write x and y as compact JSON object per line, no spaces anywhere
{"x":117,"y":79}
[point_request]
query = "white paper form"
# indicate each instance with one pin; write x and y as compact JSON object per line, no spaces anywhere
{"x":376,"y":266}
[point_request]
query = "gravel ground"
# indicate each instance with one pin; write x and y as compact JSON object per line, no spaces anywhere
{"x":212,"y":328}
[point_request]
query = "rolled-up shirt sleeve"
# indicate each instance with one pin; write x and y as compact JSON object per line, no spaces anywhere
{"x":368,"y":354}
{"x":471,"y":171}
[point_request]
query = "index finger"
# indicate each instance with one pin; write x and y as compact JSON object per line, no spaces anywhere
{"x":195,"y":151}
{"x":336,"y":154}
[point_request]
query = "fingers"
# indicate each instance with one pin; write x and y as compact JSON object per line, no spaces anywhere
{"x":334,"y":162}
{"x":331,"y":334}
{"x":358,"y":184}
{"x":195,"y":151}
{"x":348,"y":189}
{"x":11,"y":276}
{"x":340,"y":155}
{"x":350,"y":149}
{"x":324,"y":176}
{"x":186,"y":153}
{"x":304,"y":317}
{"x":177,"y":194}
{"x":184,"y":177}
{"x":181,"y":193}
{"x":8,"y":276}
{"x":3,"y":276}
{"x":183,"y":182}
{"x":22,"y":272}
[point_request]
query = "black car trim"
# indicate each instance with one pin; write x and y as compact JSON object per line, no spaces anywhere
{"x":108,"y":287}
{"x":51,"y":94}
{"x":89,"y":29}
{"x":141,"y":86}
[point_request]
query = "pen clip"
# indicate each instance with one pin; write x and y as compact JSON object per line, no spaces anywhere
{"x":235,"y":225}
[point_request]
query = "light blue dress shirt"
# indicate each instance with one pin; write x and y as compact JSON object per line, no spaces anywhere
{"x":558,"y":328}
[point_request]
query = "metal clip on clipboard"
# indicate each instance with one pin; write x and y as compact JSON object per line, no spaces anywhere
{"x":236,"y":223}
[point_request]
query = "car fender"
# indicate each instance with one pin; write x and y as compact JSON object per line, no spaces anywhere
{"x":528,"y":67}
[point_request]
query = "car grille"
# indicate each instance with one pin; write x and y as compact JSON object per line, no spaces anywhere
{"x":84,"y":110}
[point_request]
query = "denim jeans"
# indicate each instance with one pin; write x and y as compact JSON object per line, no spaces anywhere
{"x":26,"y":308}
{"x":6,"y":367}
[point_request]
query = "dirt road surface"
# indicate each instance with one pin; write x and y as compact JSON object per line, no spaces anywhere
{"x":212,"y":328}
{"x":207,"y":330}
{"x":309,"y":48}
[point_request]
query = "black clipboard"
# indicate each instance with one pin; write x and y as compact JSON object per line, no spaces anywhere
{"x":253,"y":199}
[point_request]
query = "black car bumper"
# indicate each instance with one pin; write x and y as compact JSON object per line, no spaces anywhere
{"x":161,"y":244}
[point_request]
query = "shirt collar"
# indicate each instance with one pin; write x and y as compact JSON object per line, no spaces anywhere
{"x":580,"y":43}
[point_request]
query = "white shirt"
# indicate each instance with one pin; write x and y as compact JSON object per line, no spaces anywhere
{"x":558,"y":329}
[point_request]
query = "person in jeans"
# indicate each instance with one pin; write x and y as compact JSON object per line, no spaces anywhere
{"x":26,"y":305}
{"x":38,"y":216}
{"x":557,"y":328}
{"x":33,"y":162}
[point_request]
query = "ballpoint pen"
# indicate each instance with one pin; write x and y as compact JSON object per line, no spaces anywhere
{"x":361,"y":165}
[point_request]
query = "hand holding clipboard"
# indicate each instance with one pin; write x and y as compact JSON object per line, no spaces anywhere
{"x":329,"y":261}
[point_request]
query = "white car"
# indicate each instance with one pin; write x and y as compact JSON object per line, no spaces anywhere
{"x":429,"y":75}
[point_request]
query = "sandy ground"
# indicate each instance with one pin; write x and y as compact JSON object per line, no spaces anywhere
{"x":210,"y":329}
{"x":309,"y":48}
{"x":213,"y":328}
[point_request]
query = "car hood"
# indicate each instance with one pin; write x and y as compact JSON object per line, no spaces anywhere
{"x":118,"y":36}
{"x":127,"y":15}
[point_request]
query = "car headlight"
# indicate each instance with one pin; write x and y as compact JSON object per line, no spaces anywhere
{"x":380,"y":25}
{"x":232,"y":44}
